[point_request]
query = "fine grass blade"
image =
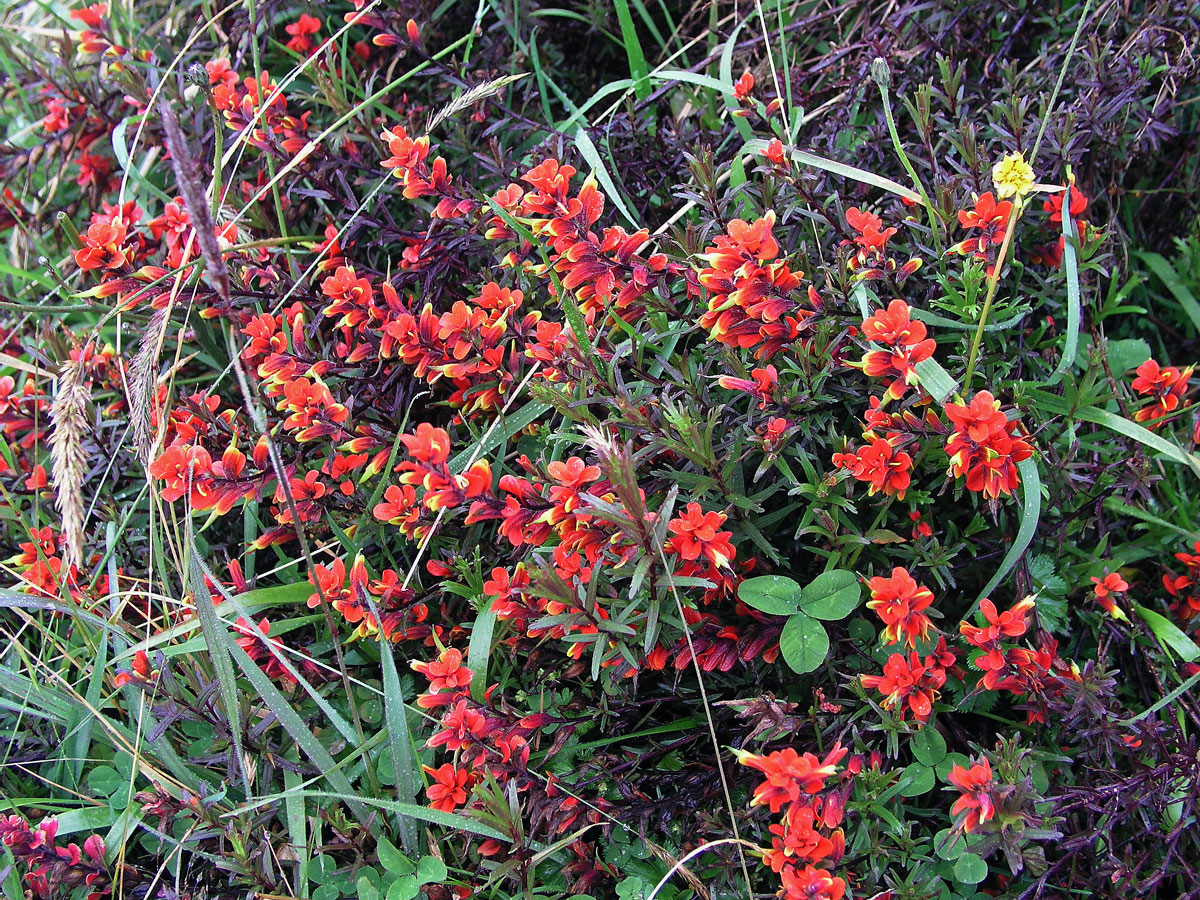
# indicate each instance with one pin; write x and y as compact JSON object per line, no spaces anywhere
{"x":1166,"y":273}
{"x":1031,"y":511}
{"x":1074,"y":301}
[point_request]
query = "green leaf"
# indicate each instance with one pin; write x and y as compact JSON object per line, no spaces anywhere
{"x":970,"y":868}
{"x":1167,"y":275}
{"x":638,"y":69}
{"x":928,"y":746}
{"x":1074,"y":301}
{"x":803,"y":643}
{"x":392,"y":859}
{"x":480,"y":648}
{"x":803,"y":158}
{"x":1127,"y":354}
{"x":404,"y":888}
{"x":774,"y":594}
{"x":938,"y":383}
{"x":1031,"y":511}
{"x":920,"y":780}
{"x":949,"y":844}
{"x":1168,"y":634}
{"x":431,"y":870}
{"x":831,"y":595}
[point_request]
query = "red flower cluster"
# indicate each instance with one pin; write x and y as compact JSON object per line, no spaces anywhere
{"x":989,"y":219}
{"x":602,"y":269}
{"x":1034,"y":672}
{"x":53,"y":871}
{"x":1185,"y":588}
{"x":901,"y":603}
{"x":906,"y":343}
{"x":869,"y":260}
{"x":751,"y":298}
{"x":808,"y":832}
{"x":977,"y":788}
{"x":984,"y":446}
{"x":912,"y":683}
{"x":1165,"y":386}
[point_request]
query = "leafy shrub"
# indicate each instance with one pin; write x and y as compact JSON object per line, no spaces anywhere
{"x":440,"y":444}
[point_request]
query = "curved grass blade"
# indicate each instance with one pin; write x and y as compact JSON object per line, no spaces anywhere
{"x":1031,"y":511}
{"x":1074,"y":301}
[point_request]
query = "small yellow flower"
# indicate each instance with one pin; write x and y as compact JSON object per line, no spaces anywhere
{"x":1012,"y":176}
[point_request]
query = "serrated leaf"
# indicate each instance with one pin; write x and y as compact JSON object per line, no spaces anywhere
{"x":831,"y":595}
{"x":803,"y":643}
{"x":774,"y":594}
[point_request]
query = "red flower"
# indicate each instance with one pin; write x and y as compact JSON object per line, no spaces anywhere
{"x":907,"y":343}
{"x":1104,"y":588}
{"x":102,"y":246}
{"x":760,"y":385}
{"x":990,"y":219}
{"x":811,"y":883}
{"x":976,"y":801}
{"x":912,"y":683}
{"x":880,"y":464}
{"x":900,"y":602}
{"x":301,"y":32}
{"x":450,"y":787}
{"x":983,"y":446}
{"x":1010,"y":623}
{"x":790,"y":775}
{"x":695,"y":533}
{"x":181,"y":467}
{"x":743,"y":86}
{"x":1166,"y":385}
{"x":446,"y":673}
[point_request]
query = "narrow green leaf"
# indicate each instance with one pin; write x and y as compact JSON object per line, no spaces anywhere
{"x":1031,"y":511}
{"x":1167,"y":275}
{"x":638,"y":69}
{"x":521,"y":419}
{"x":804,"y":158}
{"x":1169,"y":634}
{"x":939,"y":383}
{"x":1074,"y":300}
{"x":217,"y":640}
{"x":480,"y":649}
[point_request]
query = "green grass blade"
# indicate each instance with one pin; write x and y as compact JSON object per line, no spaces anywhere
{"x":638,"y":70}
{"x":1166,"y":273}
{"x":804,"y":158}
{"x":1031,"y":511}
{"x":1074,"y":301}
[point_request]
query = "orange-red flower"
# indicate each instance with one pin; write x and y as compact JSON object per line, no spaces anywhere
{"x":790,"y":776}
{"x":900,"y":602}
{"x":811,"y":883}
{"x":301,"y":32}
{"x":984,"y":446}
{"x":990,"y":219}
{"x":907,"y":345}
{"x":976,"y":785}
{"x":912,"y":683}
{"x":1166,"y":385}
{"x":450,"y":787}
{"x":880,"y":464}
{"x":1104,"y":589}
{"x":694,"y":533}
